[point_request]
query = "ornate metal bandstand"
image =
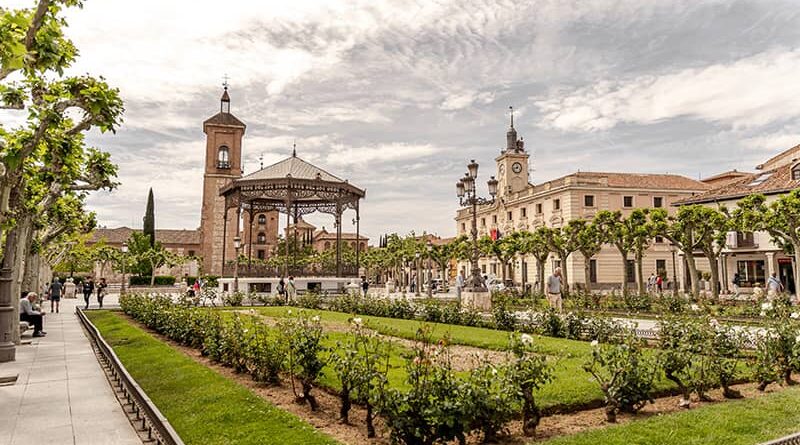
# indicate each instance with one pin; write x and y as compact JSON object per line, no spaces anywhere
{"x":295,"y":188}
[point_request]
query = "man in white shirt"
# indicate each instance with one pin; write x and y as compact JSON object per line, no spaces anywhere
{"x":774,"y":286}
{"x":26,"y":313}
{"x":554,"y":289}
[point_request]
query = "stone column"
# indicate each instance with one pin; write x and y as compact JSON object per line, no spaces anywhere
{"x":771,"y":267}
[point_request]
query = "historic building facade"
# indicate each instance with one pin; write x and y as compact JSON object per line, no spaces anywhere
{"x":522,"y":205}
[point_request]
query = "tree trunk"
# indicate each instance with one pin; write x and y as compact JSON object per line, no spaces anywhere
{"x":624,"y":287}
{"x":714,"y":265}
{"x":564,"y":278}
{"x":693,"y":274}
{"x":639,"y":273}
{"x":30,"y":279}
{"x":796,"y":268}
{"x":9,"y":306}
{"x":587,"y":273}
{"x":504,"y":266}
{"x":24,"y":230}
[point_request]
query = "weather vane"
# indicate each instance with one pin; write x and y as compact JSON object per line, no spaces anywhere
{"x":225,"y":81}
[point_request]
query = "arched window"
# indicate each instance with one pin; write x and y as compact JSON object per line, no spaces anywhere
{"x":261,"y":238}
{"x":262,"y":219}
{"x":362,"y":247}
{"x":223,"y":160}
{"x":796,"y":172}
{"x":327,"y":245}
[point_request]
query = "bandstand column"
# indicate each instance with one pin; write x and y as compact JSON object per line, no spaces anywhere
{"x":250,"y":239}
{"x":358,"y":242}
{"x":338,"y":239}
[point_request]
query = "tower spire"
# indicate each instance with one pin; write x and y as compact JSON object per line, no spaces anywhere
{"x":512,"y":116}
{"x":294,"y":149}
{"x":511,"y":134}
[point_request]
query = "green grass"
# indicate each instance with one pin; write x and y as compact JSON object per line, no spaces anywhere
{"x":571,"y":387}
{"x":740,"y":422}
{"x":203,"y":406}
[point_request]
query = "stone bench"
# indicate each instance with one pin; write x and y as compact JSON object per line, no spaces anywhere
{"x":24,"y":327}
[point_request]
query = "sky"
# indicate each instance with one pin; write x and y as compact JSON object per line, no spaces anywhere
{"x":398,"y":96}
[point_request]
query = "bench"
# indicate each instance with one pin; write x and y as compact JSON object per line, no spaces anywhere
{"x":24,"y":326}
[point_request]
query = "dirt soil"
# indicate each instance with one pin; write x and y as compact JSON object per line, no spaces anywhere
{"x":326,"y":420}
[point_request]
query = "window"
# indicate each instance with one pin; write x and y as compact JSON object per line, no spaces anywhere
{"x":630,"y":271}
{"x":483,"y":222}
{"x":556,"y":204}
{"x":261,"y":238}
{"x":260,"y":254}
{"x":761,"y":178}
{"x":483,"y":268}
{"x":659,"y":239}
{"x":223,"y":160}
{"x":588,"y":201}
{"x":463,"y":227}
{"x":524,"y":212}
{"x":262,"y":219}
{"x":538,"y":209}
{"x":510,"y":216}
{"x":627,"y":201}
{"x":494,"y":268}
{"x":661,"y":268}
{"x":327,"y":245}
{"x":191,"y":253}
{"x":796,"y":172}
{"x":494,"y":219}
{"x":658,"y":202}
{"x":751,"y":272}
{"x":593,"y":271}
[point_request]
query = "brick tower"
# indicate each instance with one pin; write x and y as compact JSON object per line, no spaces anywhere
{"x":224,"y":134}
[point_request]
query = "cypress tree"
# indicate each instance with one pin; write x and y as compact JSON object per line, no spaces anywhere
{"x":150,"y":220}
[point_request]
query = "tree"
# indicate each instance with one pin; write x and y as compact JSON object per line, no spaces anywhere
{"x":105,"y":255}
{"x":536,"y":244}
{"x":686,"y":230}
{"x":615,"y":231}
{"x":590,"y":242}
{"x":713,"y":242}
{"x":443,"y":253}
{"x":564,"y":241}
{"x":780,"y":219}
{"x":503,"y":249}
{"x":640,"y":230}
{"x":149,"y":227}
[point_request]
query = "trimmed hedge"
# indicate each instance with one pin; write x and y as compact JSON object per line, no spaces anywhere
{"x":161,"y":280}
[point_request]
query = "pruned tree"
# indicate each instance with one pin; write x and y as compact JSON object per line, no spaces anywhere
{"x":564,"y":242}
{"x":614,"y":230}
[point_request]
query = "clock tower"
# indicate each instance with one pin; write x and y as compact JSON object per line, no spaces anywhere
{"x":512,"y":164}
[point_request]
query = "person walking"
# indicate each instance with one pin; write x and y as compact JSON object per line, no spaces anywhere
{"x":659,"y":284}
{"x":56,"y":289}
{"x":364,"y":285}
{"x":737,"y":281}
{"x":774,"y":286}
{"x":101,"y":291}
{"x":291,"y":290}
{"x":28,"y":314}
{"x":554,"y":290}
{"x":281,"y":289}
{"x":459,"y":285}
{"x":69,"y":288}
{"x":88,"y":288}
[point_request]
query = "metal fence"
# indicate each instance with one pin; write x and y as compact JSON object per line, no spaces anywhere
{"x":794,"y":439}
{"x":153,"y":423}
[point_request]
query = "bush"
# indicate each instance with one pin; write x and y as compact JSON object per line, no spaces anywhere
{"x":489,"y":400}
{"x":625,"y":375}
{"x":233,"y":298}
{"x":685,"y":354}
{"x":161,"y":280}
{"x":778,"y":345}
{"x":266,"y":354}
{"x":528,"y":372}
{"x":304,"y":336}
{"x":309,"y":300}
{"x":636,"y":302}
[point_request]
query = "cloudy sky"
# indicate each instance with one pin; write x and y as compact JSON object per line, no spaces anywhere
{"x":398,"y":95}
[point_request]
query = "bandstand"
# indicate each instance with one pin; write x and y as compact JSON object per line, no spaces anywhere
{"x":292,"y":187}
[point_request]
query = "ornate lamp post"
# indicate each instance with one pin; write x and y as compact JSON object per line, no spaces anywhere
{"x":429,"y":246}
{"x":237,"y":244}
{"x":124,"y":250}
{"x":468,"y":196}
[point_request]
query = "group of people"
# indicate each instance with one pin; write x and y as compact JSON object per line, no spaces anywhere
{"x":31,"y":311}
{"x":287,"y":289}
{"x":655,"y":283}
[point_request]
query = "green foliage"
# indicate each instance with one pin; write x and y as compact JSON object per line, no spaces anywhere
{"x":528,"y":372}
{"x":625,"y":375}
{"x":685,"y":354}
{"x":777,"y":345}
{"x":233,"y":298}
{"x":158,"y":280}
{"x":304,"y":336}
{"x":149,"y":226}
{"x":266,"y":353}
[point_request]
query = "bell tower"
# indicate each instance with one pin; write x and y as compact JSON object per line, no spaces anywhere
{"x":223,"y":164}
{"x":512,"y":164}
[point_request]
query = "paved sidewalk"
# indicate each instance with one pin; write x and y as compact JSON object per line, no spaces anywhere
{"x":62,"y":395}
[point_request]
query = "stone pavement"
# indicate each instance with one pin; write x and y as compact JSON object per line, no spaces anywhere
{"x":62,"y":395}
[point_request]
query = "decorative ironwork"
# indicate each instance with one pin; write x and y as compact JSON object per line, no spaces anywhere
{"x":468,"y":196}
{"x":265,"y":271}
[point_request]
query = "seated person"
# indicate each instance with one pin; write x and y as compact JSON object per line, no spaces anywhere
{"x":34,"y":317}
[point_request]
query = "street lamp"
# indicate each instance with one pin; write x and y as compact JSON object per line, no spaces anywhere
{"x":124,"y":250}
{"x":237,"y":244}
{"x":430,"y":272}
{"x":468,"y":196}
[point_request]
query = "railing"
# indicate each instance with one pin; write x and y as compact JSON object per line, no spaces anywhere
{"x":223,"y":165}
{"x":794,"y":439}
{"x":152,"y":421}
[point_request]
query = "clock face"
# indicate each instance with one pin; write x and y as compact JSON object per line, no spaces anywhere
{"x":516,"y":167}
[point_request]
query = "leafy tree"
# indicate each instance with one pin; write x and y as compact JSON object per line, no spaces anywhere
{"x":781,"y":219}
{"x":686,"y":230}
{"x":564,"y":241}
{"x":713,"y":242}
{"x":640,"y":230}
{"x":149,"y":227}
{"x":590,"y":241}
{"x":615,"y":232}
{"x":503,"y":249}
{"x":443,"y":253}
{"x":536,"y":244}
{"x":76,"y":257}
{"x":105,"y":255}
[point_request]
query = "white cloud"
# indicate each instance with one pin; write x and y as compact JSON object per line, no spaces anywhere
{"x":379,"y":153}
{"x":749,"y":92}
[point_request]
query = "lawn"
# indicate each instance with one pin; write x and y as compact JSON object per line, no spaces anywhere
{"x":203,"y":406}
{"x":571,"y":386}
{"x":739,"y":422}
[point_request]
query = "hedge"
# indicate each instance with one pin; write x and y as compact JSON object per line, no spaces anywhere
{"x":161,"y":280}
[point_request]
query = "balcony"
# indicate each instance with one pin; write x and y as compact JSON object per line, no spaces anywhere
{"x":741,"y":240}
{"x":224,"y":165}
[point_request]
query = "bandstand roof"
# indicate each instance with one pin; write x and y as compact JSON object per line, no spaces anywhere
{"x":294,"y":186}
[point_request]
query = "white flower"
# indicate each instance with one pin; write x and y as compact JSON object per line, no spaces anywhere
{"x":797,"y":339}
{"x":494,"y":371}
{"x":357,"y":321}
{"x":695,"y":307}
{"x":763,"y":313}
{"x":795,"y":315}
{"x":766,"y":306}
{"x":289,"y":312}
{"x":526,"y":339}
{"x":315,"y":318}
{"x":595,"y":343}
{"x":713,"y":322}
